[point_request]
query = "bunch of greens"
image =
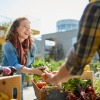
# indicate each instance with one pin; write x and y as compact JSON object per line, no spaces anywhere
{"x":81,"y":89}
{"x":75,"y":84}
{"x":97,"y":86}
{"x":35,"y":65}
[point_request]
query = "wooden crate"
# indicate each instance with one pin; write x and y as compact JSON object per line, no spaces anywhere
{"x":88,"y":75}
{"x":8,"y":83}
{"x":53,"y":93}
{"x":57,"y":94}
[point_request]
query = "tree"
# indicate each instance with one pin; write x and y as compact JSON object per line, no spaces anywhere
{"x":57,"y":52}
{"x":1,"y":54}
{"x":5,"y":27}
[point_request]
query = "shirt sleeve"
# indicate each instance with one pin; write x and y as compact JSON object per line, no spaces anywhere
{"x":88,"y":41}
{"x":11,"y":56}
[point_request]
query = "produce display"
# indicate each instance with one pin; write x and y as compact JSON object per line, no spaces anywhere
{"x":97,"y":86}
{"x":7,"y":71}
{"x":78,"y":89}
{"x":73,"y":89}
{"x":41,"y":84}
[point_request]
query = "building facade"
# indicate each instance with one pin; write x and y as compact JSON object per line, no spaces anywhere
{"x":66,"y":35}
{"x":66,"y":25}
{"x":66,"y":38}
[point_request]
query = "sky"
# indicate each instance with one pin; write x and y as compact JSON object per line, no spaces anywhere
{"x":43,"y":14}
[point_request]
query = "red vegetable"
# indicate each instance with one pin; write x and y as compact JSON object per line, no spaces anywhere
{"x":40,"y":84}
{"x":6,"y":71}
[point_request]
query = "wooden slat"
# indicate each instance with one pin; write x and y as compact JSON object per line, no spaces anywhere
{"x":8,"y":83}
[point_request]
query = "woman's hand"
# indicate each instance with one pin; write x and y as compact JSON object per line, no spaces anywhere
{"x":38,"y":70}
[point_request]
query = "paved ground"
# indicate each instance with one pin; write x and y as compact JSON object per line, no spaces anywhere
{"x":29,"y":93}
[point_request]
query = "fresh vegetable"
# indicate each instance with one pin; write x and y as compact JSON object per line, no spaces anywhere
{"x":13,"y":70}
{"x":1,"y":71}
{"x":6,"y":71}
{"x":97,"y":86}
{"x":87,"y":67}
{"x":40,"y":84}
{"x":79,"y":89}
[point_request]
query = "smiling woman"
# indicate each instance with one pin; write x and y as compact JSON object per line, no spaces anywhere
{"x":19,"y":49}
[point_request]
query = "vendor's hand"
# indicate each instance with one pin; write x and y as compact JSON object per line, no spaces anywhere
{"x":54,"y":72}
{"x":49,"y":77}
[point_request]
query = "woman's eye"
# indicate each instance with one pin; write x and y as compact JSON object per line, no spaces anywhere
{"x":24,"y":26}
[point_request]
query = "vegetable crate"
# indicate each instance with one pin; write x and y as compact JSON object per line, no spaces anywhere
{"x":88,"y":75}
{"x":8,"y":83}
{"x":54,"y":93}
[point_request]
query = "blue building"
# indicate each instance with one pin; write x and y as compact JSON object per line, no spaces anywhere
{"x":67,"y":24}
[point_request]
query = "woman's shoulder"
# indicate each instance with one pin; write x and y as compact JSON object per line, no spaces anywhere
{"x":33,"y":45}
{"x":8,"y":44}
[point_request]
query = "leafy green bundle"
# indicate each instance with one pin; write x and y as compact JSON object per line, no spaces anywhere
{"x":77,"y":88}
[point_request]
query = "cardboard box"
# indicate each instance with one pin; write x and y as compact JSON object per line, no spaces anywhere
{"x":8,"y":83}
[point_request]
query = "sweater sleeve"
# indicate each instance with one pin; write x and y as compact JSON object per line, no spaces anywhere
{"x":11,"y":56}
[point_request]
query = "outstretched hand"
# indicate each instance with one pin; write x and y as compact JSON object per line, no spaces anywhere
{"x":39,"y":70}
{"x":50,"y":78}
{"x":61,"y":76}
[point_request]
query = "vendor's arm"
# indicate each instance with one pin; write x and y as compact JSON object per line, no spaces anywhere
{"x":62,"y":75}
{"x":88,"y":43}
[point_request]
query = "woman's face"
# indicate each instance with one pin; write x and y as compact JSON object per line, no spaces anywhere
{"x":23,"y":30}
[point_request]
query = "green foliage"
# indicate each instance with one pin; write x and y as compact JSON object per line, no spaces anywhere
{"x":1,"y":54}
{"x":56,"y":52}
{"x":38,"y":62}
{"x":52,"y":65}
{"x":55,"y":65}
{"x":76,"y":84}
{"x":94,"y":66}
{"x":5,"y":26}
{"x":97,"y":86}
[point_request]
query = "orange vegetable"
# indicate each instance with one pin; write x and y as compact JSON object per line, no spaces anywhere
{"x":41,"y":84}
{"x":44,"y":76}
